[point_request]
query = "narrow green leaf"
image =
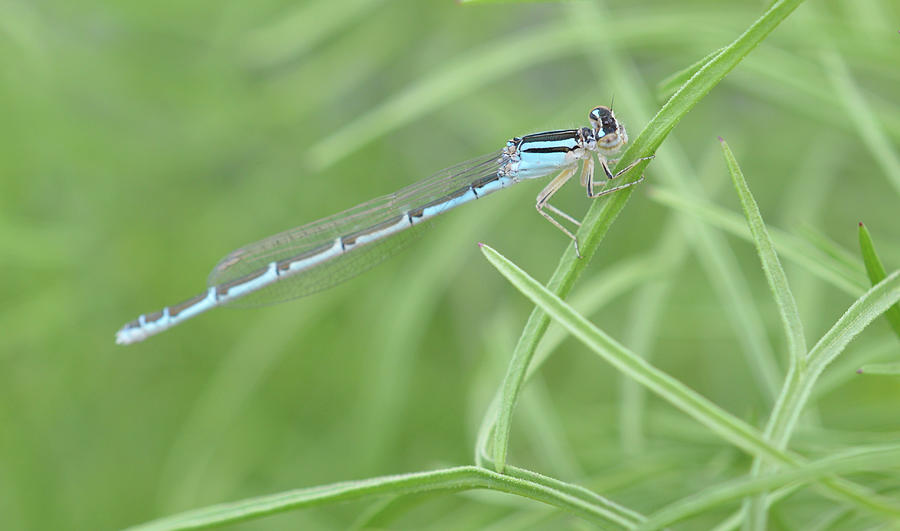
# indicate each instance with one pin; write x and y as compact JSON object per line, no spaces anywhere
{"x":802,"y":378}
{"x":670,"y":84}
{"x":800,"y":383}
{"x":792,"y":248}
{"x":712,"y":252}
{"x":698,"y":407}
{"x":866,"y":309}
{"x":784,"y":299}
{"x":860,"y":114}
{"x":892,"y":369}
{"x":729,"y":427}
{"x":834,"y":251}
{"x":876,"y":272}
{"x":602,"y":213}
{"x":855,"y":460}
{"x":446,"y":480}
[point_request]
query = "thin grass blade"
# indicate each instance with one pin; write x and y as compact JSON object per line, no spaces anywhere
{"x":860,"y":114}
{"x":890,"y":369}
{"x":445,"y":480}
{"x":602,"y":214}
{"x":790,"y":247}
{"x":877,"y":273}
{"x":730,"y":428}
{"x":784,"y":299}
{"x":856,"y":460}
{"x":670,"y":84}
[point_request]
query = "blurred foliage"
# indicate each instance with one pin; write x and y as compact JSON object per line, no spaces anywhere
{"x":140,"y":142}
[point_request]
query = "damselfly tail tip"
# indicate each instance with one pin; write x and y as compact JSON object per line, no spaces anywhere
{"x":122,"y":337}
{"x":128,"y":335}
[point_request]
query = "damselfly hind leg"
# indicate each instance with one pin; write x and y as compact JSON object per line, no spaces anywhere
{"x":544,"y":197}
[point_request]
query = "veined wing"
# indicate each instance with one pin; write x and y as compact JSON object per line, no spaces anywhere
{"x":320,"y":236}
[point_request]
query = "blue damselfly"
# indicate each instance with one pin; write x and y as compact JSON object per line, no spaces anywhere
{"x":328,"y":251}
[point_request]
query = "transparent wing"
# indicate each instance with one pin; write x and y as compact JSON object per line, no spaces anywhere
{"x":257,"y":256}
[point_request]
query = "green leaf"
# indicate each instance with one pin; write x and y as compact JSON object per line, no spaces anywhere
{"x":807,"y":256}
{"x":446,"y":480}
{"x":892,"y":369}
{"x":670,"y":84}
{"x":602,"y":213}
{"x":859,"y":113}
{"x":730,"y":428}
{"x":855,"y":460}
{"x":802,"y":378}
{"x":876,"y":272}
{"x":867,"y":308}
{"x":784,"y":299}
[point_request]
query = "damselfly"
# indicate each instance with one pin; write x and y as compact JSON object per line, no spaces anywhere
{"x":326,"y":252}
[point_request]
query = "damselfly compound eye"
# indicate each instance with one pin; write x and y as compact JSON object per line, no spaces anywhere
{"x":603,"y":121}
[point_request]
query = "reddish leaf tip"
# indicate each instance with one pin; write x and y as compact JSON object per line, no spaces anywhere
{"x":858,"y":371}
{"x":720,"y":139}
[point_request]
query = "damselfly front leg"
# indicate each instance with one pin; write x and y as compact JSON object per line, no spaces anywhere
{"x":589,"y":173}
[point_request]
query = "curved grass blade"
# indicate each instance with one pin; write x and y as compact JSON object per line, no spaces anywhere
{"x":860,"y":114}
{"x":601,"y":214}
{"x":797,"y":250}
{"x":861,"y":313}
{"x":445,"y":480}
{"x":713,"y":254}
{"x":727,"y":426}
{"x":701,"y":409}
{"x":876,"y":272}
{"x":784,"y":299}
{"x":856,"y":460}
{"x":670,"y":84}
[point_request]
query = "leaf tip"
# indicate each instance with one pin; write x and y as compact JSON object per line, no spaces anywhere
{"x":860,"y":223}
{"x":721,"y":140}
{"x":859,"y":371}
{"x":480,"y":245}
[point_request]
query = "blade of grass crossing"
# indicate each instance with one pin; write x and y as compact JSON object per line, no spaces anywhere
{"x":730,"y":428}
{"x":853,"y":461}
{"x":601,"y":214}
{"x":450,"y":479}
{"x":790,"y":247}
{"x":701,"y":409}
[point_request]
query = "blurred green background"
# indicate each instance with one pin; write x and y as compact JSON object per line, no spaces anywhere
{"x":141,"y":142}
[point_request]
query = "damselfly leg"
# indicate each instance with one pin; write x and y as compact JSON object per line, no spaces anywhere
{"x":610,"y":176}
{"x":587,"y":180}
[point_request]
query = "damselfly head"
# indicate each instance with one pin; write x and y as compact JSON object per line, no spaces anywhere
{"x":610,"y":133}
